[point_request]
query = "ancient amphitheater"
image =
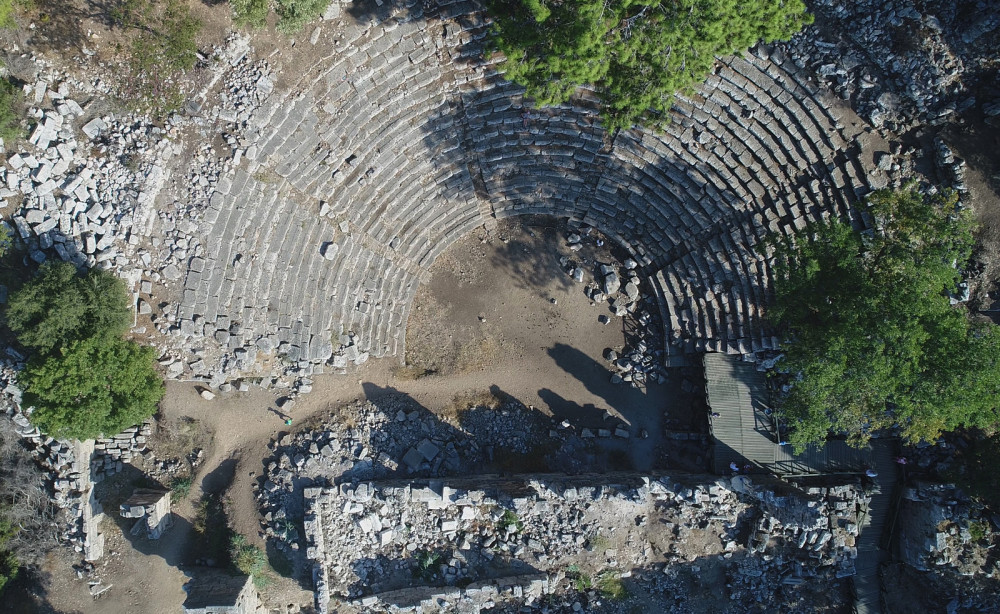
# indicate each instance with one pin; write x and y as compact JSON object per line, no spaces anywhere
{"x":401,"y":140}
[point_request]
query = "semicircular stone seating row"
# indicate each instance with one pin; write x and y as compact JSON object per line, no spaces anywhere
{"x":400,"y":143}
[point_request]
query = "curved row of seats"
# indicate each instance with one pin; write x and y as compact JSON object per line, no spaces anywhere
{"x":409,"y":146}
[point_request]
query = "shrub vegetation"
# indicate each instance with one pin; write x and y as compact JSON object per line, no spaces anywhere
{"x":636,"y":54}
{"x":11,"y":118}
{"x":869,"y":331}
{"x":163,"y":45}
{"x":60,"y":306}
{"x":92,"y":388}
{"x":250,"y":13}
{"x":294,"y":14}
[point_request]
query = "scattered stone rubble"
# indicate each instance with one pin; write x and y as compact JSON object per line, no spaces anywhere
{"x":85,"y":185}
{"x":618,"y":285}
{"x":368,"y":541}
{"x":395,"y":437}
{"x":942,"y":528}
{"x":901,"y":63}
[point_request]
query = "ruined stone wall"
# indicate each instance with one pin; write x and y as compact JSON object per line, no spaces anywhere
{"x":366,"y":541}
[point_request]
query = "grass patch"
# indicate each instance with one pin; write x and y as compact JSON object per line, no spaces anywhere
{"x":8,"y":8}
{"x":598,"y":543}
{"x":295,"y":14}
{"x":265,"y":176}
{"x":213,"y":529}
{"x":478,"y":354}
{"x":508,"y":519}
{"x":162,"y":46}
{"x":178,"y":438}
{"x":246,"y":557}
{"x":581,"y":581}
{"x":610,"y":585}
{"x":180,"y":488}
{"x":409,"y":373}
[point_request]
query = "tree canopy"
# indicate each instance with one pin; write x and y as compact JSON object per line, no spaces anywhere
{"x":91,"y":388}
{"x":869,"y":331}
{"x":84,"y":379}
{"x":60,"y":305}
{"x":636,"y":53}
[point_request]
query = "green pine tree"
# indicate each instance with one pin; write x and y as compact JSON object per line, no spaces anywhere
{"x":636,"y":53}
{"x":869,"y":330}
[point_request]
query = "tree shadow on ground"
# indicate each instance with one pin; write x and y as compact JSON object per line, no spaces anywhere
{"x":218,"y":479}
{"x":60,"y":25}
{"x":28,"y":594}
{"x":533,"y":260}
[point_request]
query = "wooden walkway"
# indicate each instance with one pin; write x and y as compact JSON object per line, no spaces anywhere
{"x":743,"y":428}
{"x":867,"y":583}
{"x":745,"y":434}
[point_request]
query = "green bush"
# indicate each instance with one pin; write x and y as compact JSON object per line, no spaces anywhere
{"x":250,"y":13}
{"x":294,"y":14}
{"x":170,"y":38}
{"x":6,"y":239}
{"x":11,"y":119}
{"x":978,"y":530}
{"x":91,"y":388}
{"x":61,"y":305}
{"x":247,"y":558}
{"x":9,"y":565}
{"x":869,"y":330}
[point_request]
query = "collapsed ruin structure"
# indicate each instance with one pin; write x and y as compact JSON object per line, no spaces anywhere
{"x":424,"y":546}
{"x":305,"y":235}
{"x":151,"y":509}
